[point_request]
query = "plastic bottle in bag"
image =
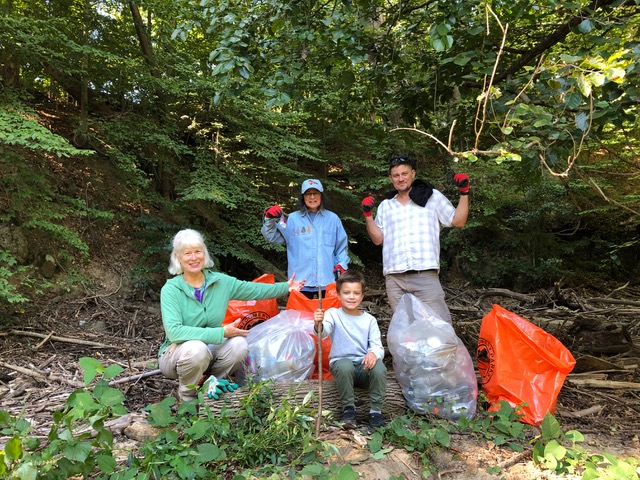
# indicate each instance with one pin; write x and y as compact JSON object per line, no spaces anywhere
{"x":431,"y":364}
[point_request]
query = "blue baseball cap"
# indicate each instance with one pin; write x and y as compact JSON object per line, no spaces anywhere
{"x":312,"y":183}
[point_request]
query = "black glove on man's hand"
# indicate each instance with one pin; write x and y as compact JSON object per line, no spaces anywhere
{"x":273,"y":211}
{"x":367,"y":206}
{"x":461,"y":180}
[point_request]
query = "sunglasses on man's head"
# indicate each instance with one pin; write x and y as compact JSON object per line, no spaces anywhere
{"x":399,"y":161}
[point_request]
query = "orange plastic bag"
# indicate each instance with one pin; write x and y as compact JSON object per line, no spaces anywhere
{"x":252,"y":312}
{"x":519,"y":362}
{"x":297,"y":301}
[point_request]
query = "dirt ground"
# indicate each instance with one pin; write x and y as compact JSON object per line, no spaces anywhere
{"x":41,"y":347}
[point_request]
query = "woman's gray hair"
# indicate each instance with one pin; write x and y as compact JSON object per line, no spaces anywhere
{"x":184,"y":239}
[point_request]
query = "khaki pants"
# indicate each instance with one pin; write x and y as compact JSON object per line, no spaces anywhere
{"x":348,"y":374}
{"x":424,"y":285}
{"x":189,"y":360}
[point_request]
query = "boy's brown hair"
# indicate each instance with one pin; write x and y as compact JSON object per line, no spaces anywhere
{"x":351,"y":276}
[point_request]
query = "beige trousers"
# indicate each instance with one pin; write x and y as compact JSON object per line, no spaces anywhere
{"x":425,"y":285}
{"x":188,"y":362}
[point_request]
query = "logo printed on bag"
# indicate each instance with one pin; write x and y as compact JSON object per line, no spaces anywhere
{"x":486,"y":360}
{"x":252,"y":319}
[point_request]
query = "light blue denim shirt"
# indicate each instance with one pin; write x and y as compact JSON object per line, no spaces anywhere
{"x":314,"y":245}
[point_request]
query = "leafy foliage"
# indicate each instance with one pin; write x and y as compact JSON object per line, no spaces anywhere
{"x":8,"y":292}
{"x":563,"y":453}
{"x":70,"y":449}
{"x":265,"y":437}
{"x":210,"y":111}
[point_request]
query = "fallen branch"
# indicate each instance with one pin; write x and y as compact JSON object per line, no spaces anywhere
{"x":604,"y":384}
{"x":49,"y":336}
{"x":503,"y":292}
{"x":616,"y":301}
{"x":132,"y":378}
{"x":42,"y":377}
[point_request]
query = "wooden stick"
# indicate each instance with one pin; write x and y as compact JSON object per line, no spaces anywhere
{"x":131,"y":378}
{"x":49,"y":336}
{"x":319,"y":417}
{"x":45,"y":378}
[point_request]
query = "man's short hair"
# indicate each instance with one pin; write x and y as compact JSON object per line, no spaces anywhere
{"x":351,"y":276}
{"x":401,"y":160}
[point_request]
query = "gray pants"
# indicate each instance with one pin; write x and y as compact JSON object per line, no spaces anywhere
{"x":425,"y":285}
{"x":189,"y":360}
{"x":348,"y":374}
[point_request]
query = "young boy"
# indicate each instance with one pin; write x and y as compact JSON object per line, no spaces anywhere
{"x":356,"y":349}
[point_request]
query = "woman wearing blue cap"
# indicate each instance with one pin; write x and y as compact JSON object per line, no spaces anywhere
{"x":315,"y":238}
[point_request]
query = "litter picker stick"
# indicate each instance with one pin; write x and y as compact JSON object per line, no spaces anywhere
{"x":319,"y":417}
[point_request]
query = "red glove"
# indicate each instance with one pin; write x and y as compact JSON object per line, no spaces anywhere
{"x":461,"y":180}
{"x":367,"y":206}
{"x":338,"y":270}
{"x":273,"y":212}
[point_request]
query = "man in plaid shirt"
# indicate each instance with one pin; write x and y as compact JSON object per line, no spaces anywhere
{"x":407,"y":225}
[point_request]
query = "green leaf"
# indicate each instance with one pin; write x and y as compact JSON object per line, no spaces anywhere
{"x":106,"y":463}
{"x":27,"y":471}
{"x":208,"y":452}
{"x":112,"y":371}
{"x":442,"y":437}
{"x":574,"y":436}
{"x":91,"y":368}
{"x":13,"y":449}
{"x":550,"y":427}
{"x":585,"y":26}
{"x":314,"y":470}
{"x":584,"y":85}
{"x":554,"y":450}
{"x":443,"y":29}
{"x":615,"y":74}
{"x":437,"y":44}
{"x":570,"y":58}
{"x":597,"y":78}
{"x":582,"y":121}
{"x":347,"y":473}
{"x":111,"y":397}
{"x":573,"y":100}
{"x":77,"y":451}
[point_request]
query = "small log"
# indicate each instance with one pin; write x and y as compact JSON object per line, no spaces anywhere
{"x":503,"y":292}
{"x":394,"y":404}
{"x":604,"y":384}
{"x":43,"y":377}
{"x":614,"y":301}
{"x":589,"y":363}
{"x":56,"y":338}
{"x":133,"y":378}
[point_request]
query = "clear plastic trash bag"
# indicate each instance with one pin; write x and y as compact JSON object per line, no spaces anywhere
{"x":282,"y":348}
{"x":431,"y":364}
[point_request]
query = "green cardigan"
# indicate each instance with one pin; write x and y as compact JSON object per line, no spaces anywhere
{"x":184,"y":318}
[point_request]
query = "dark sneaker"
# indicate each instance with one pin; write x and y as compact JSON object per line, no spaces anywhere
{"x":376,"y":420}
{"x":348,"y":418}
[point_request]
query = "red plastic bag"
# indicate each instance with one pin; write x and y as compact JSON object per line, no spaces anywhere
{"x":519,"y":362}
{"x":297,"y":301}
{"x":252,"y":312}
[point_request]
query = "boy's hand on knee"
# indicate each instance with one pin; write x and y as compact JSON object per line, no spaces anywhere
{"x":369,"y":361}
